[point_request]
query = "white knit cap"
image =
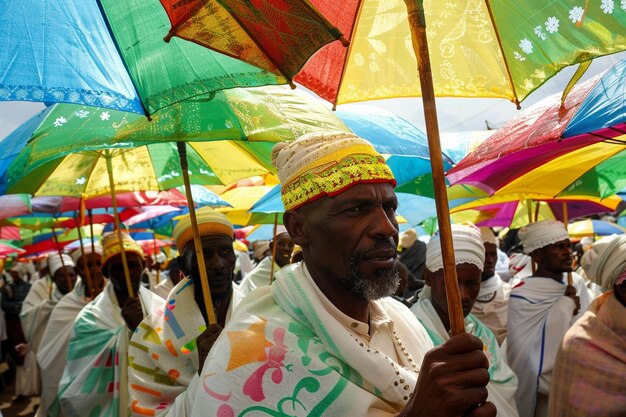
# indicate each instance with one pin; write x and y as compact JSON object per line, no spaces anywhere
{"x":55,"y":263}
{"x":77,"y":253}
{"x":540,"y":234}
{"x":608,"y":261}
{"x":468,"y":248}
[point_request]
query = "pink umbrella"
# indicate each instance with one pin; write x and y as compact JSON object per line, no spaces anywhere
{"x":12,"y":205}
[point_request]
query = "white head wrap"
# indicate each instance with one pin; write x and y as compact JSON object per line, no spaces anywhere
{"x":468,"y":248}
{"x":540,"y":234}
{"x":20,"y":268}
{"x":488,"y":236}
{"x":586,"y":242}
{"x":77,"y":253}
{"x":55,"y":263}
{"x":608,"y":261}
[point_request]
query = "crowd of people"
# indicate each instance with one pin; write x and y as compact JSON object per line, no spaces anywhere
{"x":335,"y":316}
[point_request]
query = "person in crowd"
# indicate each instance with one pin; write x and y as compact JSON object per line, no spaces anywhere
{"x":541,"y":309}
{"x":41,"y":299}
{"x":52,"y":353}
{"x":95,"y":378}
{"x":261,"y":274}
{"x":13,"y":294}
{"x":413,"y":256}
{"x":588,"y":377}
{"x":492,"y":304}
{"x":432,"y":308}
{"x":325,"y":338}
{"x":164,"y":364}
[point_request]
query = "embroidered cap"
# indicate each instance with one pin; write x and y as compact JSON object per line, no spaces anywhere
{"x":325,"y":164}
{"x":111,"y":246}
{"x":468,"y":248}
{"x":210,"y":222}
{"x":540,"y":234}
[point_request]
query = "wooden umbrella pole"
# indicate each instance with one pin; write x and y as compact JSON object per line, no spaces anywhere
{"x":154,"y":247}
{"x":88,"y":282}
{"x":116,"y":217}
{"x":565,"y":223}
{"x":274,"y":248}
{"x":417,"y":22}
{"x":93,"y":244}
{"x":206,"y":292}
{"x":537,"y":210}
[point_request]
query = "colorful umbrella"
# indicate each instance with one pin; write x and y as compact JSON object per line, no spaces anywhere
{"x":480,"y":48}
{"x":510,"y":212}
{"x":590,"y":227}
{"x":233,"y":133}
{"x":63,"y":51}
{"x":589,"y":127}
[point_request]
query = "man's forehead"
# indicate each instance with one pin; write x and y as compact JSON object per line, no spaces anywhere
{"x":366,"y":192}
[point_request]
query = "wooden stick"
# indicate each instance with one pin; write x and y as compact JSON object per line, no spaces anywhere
{"x":417,"y":22}
{"x":274,"y":248}
{"x":154,"y":246}
{"x":206,"y":292}
{"x":537,"y":207}
{"x":565,"y":223}
{"x":116,"y":217}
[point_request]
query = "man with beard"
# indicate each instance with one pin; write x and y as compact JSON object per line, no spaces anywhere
{"x":261,"y":274}
{"x":182,"y":343}
{"x":432,"y":309}
{"x":325,"y":338}
{"x":52,"y":353}
{"x":95,"y":379}
{"x":541,"y":309}
{"x":492,"y":304}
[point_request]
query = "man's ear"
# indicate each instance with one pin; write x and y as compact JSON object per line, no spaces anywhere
{"x":537,"y":255}
{"x":294,"y":222}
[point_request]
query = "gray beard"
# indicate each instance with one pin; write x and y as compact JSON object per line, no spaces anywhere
{"x":384,"y":284}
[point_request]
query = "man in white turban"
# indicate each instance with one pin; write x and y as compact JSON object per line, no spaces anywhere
{"x":325,"y":338}
{"x":588,"y":378}
{"x":169,"y":347}
{"x":41,"y":299}
{"x":541,"y":309}
{"x":492,"y":304}
{"x":261,"y":274}
{"x":432,"y":309}
{"x":52,"y":353}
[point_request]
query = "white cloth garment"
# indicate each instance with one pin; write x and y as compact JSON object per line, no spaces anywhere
{"x":539,"y":315}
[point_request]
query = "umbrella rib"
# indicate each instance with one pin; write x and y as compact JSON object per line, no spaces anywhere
{"x":607,"y":139}
{"x":506,"y":63}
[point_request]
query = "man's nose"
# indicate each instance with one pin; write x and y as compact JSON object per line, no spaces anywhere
{"x":383,"y":225}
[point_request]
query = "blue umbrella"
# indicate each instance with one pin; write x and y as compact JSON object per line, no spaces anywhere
{"x":108,"y":53}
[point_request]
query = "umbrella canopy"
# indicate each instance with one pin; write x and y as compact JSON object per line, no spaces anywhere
{"x":63,"y":51}
{"x":404,"y":146}
{"x":510,"y":211}
{"x":14,"y":205}
{"x":233,"y":133}
{"x":7,"y":248}
{"x":590,"y":227}
{"x":591,"y":121}
{"x":488,"y":49}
